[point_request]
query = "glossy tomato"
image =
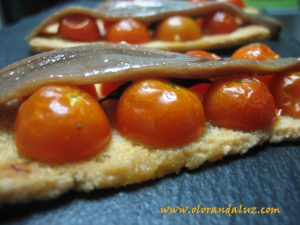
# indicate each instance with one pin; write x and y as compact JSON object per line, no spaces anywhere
{"x":286,"y":90}
{"x":220,"y":23}
{"x":256,"y":51}
{"x":159,"y":114}
{"x":79,"y":28}
{"x":128,"y":30}
{"x":178,"y":28}
{"x":60,"y":124}
{"x":240,"y":103}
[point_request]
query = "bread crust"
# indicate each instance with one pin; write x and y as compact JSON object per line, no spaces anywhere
{"x":122,"y":162}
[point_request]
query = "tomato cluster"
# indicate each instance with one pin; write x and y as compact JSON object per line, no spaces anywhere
{"x":62,"y":123}
{"x":174,"y":28}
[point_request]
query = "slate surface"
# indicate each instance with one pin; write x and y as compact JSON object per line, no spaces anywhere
{"x":267,"y":176}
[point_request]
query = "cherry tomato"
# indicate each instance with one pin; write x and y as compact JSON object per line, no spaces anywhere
{"x":60,"y":124}
{"x":240,"y":103}
{"x":128,"y":30}
{"x":238,"y":3}
{"x":178,"y":28}
{"x":159,"y":114}
{"x":107,"y":88}
{"x":220,"y":23}
{"x":203,"y":54}
{"x":256,"y":51}
{"x":286,"y":92}
{"x":79,"y":28}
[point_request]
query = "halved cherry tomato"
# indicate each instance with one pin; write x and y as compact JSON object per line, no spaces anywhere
{"x":203,"y":54}
{"x":128,"y":30}
{"x":220,"y":23}
{"x":60,"y":124}
{"x":239,"y":3}
{"x":178,"y":28}
{"x":256,"y":51}
{"x":286,"y":91}
{"x":107,"y":88}
{"x":240,"y":103}
{"x":79,"y":28}
{"x":159,"y":114}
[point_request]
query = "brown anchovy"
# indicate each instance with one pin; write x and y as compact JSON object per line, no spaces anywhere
{"x":105,"y":62}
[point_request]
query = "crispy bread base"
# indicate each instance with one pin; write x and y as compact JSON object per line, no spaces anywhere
{"x":239,"y":37}
{"x":122,"y":162}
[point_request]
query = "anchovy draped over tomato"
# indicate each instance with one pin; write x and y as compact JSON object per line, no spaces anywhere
{"x":154,"y":11}
{"x":210,"y":25}
{"x":100,"y":63}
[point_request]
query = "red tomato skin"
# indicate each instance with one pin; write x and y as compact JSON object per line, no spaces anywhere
{"x":79,"y":28}
{"x":159,"y":114}
{"x":61,"y":124}
{"x":220,"y":23}
{"x":286,"y":91}
{"x":128,"y":30}
{"x":240,"y":104}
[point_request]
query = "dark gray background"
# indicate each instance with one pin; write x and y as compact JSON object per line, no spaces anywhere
{"x":267,"y":176}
